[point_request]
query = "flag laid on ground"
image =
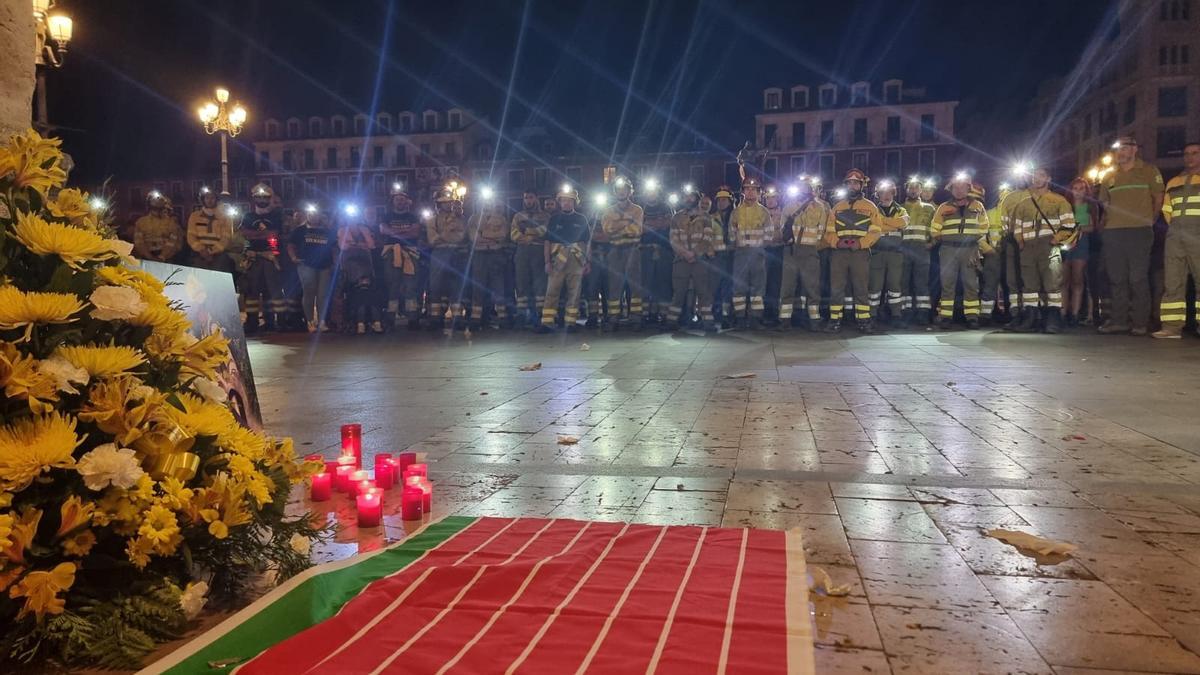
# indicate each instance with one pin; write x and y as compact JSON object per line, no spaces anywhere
{"x":532,"y":595}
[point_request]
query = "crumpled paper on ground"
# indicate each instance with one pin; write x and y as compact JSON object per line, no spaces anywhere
{"x":824,"y":585}
{"x":531,"y":366}
{"x":585,"y":347}
{"x":568,"y":440}
{"x":1031,"y":544}
{"x":740,"y":376}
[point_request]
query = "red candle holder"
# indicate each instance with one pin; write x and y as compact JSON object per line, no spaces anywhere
{"x":383,"y":471}
{"x":352,"y":442}
{"x":331,"y":466}
{"x":357,"y":479}
{"x":407,"y":459}
{"x":419,"y":469}
{"x":322,"y":486}
{"x":370,"y":507}
{"x":342,"y":477}
{"x":411,"y":502}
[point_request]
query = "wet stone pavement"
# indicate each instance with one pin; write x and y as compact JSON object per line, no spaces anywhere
{"x":893,"y":453}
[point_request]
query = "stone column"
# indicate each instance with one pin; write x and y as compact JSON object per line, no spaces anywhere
{"x":16,"y":66}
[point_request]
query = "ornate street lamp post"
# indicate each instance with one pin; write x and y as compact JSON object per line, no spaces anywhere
{"x":218,"y":117}
{"x":53,"y":32}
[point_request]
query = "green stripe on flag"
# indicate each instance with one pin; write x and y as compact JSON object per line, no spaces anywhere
{"x":317,"y":596}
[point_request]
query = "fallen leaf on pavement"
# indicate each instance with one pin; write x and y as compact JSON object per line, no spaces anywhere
{"x":568,"y":440}
{"x":740,"y":376}
{"x":531,"y":366}
{"x":1032,"y":545}
{"x":824,"y":585}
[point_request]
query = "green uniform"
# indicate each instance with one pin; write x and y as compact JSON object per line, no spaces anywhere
{"x":528,"y":232}
{"x":1129,"y":206}
{"x":623,"y":225}
{"x":914,"y":278}
{"x":804,"y":236}
{"x":887,"y":260}
{"x":1040,"y":222}
{"x":489,"y":263}
{"x":852,"y":228}
{"x":691,"y":236}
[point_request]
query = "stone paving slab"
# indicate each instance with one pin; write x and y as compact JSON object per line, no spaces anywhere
{"x":892,"y":453}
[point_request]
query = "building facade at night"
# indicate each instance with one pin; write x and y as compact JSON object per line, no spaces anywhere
{"x":1147,"y":84}
{"x":885,"y":129}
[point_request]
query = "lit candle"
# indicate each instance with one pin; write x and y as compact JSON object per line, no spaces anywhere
{"x":322,"y":486}
{"x":331,"y":466}
{"x":342,"y":477}
{"x":356,"y":479}
{"x":370,"y":507}
{"x":411,"y":500}
{"x":417,"y":470}
{"x":383,"y":471}
{"x":427,"y":497}
{"x":352,"y":442}
{"x":406,"y":459}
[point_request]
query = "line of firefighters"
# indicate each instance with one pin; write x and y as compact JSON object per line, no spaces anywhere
{"x":761,"y":257}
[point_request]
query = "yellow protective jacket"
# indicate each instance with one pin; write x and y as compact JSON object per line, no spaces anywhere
{"x":749,"y":224}
{"x":529,"y":227}
{"x":1181,"y":207}
{"x":446,"y":230}
{"x":622,"y":224}
{"x":489,"y":231}
{"x":209,"y":232}
{"x":808,"y":223}
{"x":893,"y":218}
{"x":1043,"y":215}
{"x":920,"y":216}
{"x":959,"y":224}
{"x":157,"y":238}
{"x":854,"y":219}
{"x":692,"y":231}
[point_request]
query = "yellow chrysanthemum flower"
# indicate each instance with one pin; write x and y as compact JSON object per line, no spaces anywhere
{"x":159,"y":525}
{"x":102,"y":361}
{"x":200,"y":417}
{"x":73,"y":245}
{"x":79,"y":544}
{"x":34,"y":162}
{"x":41,"y":589}
{"x":19,"y":309}
{"x":34,"y":445}
{"x":174,"y":494}
{"x":144,"y":282}
{"x":71,"y":204}
{"x":163,"y":319}
{"x":245,"y":442}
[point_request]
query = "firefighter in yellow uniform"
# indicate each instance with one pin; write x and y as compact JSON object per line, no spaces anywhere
{"x":657,"y":259}
{"x":210,"y":233}
{"x":721,"y":277}
{"x":887,"y":256}
{"x":565,"y":255}
{"x":773,"y":200}
{"x":959,"y":225}
{"x":157,"y":235}
{"x":1041,"y":221}
{"x":991,"y":293}
{"x":1181,"y":208}
{"x":748,"y":227}
{"x":853,"y":227}
{"x":528,"y":232}
{"x":803,"y":239}
{"x":489,"y":261}
{"x":621,"y":228}
{"x":446,"y":233}
{"x":914,"y":278}
{"x":692,"y":243}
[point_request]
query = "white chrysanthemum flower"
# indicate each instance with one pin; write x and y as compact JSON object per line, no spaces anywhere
{"x":301,"y":544}
{"x":193,"y":599}
{"x":64,"y":373}
{"x":109,"y":465}
{"x":120,"y":247}
{"x":116,"y":303}
{"x":141,"y":392}
{"x":210,"y":390}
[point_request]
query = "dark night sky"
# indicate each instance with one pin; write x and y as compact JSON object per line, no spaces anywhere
{"x":138,"y":69}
